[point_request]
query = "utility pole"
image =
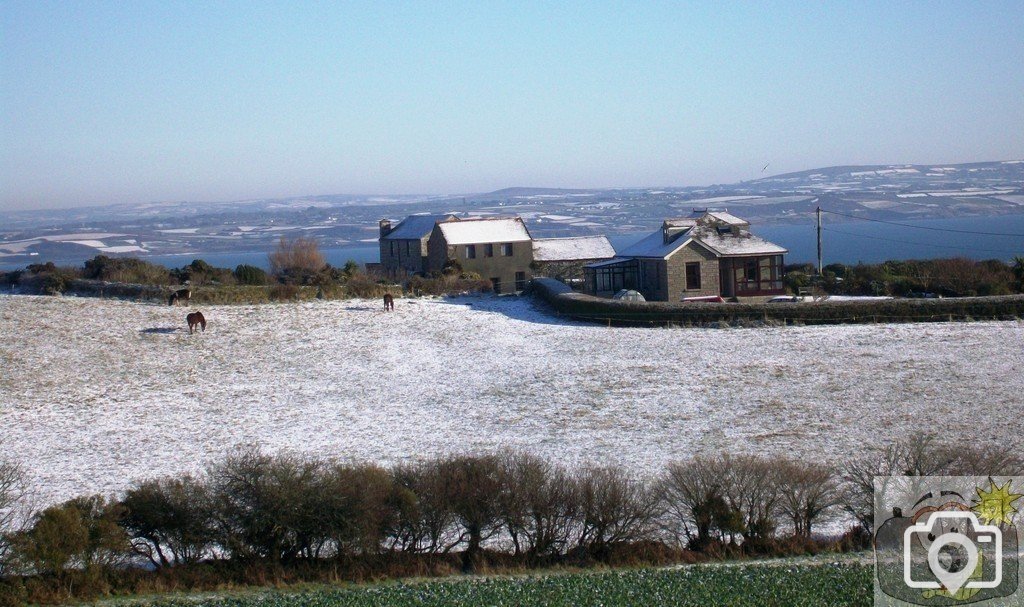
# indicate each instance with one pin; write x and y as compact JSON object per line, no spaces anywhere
{"x":819,"y":241}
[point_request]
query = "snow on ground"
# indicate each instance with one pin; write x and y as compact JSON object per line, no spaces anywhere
{"x":95,"y":394}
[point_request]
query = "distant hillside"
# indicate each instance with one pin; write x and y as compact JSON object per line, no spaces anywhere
{"x":890,"y":192}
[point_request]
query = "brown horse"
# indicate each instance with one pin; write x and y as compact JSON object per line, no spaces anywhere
{"x":180,"y":295}
{"x":389,"y":302}
{"x":194,"y":319}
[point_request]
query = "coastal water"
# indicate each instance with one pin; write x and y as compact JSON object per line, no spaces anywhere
{"x":846,"y":242}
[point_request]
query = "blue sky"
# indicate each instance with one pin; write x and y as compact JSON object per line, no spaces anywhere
{"x":114,"y":102}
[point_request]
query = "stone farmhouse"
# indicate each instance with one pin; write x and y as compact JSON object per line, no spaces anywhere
{"x":403,"y":248}
{"x":709,"y":254}
{"x":499,"y":249}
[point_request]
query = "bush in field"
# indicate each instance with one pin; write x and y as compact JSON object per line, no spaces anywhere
{"x":169,"y":520}
{"x":126,"y":269}
{"x":615,"y":509}
{"x":250,"y":275}
{"x":47,"y":278}
{"x":956,"y":277}
{"x":448,"y":285}
{"x":361,"y":285}
{"x":297,"y":261}
{"x":201,"y":273}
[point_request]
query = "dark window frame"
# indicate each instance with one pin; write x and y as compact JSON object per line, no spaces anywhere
{"x":693,"y":280}
{"x":520,"y":281}
{"x":489,"y":250}
{"x":507,"y":250}
{"x":471,"y":251}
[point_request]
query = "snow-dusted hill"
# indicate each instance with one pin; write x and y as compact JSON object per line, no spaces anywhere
{"x":95,"y":394}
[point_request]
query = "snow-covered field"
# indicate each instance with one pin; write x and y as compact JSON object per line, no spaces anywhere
{"x":95,"y":394}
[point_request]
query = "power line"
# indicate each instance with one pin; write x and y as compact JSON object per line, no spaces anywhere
{"x":921,"y":244}
{"x":907,"y":225}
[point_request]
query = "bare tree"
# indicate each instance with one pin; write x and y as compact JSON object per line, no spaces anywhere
{"x":539,"y":504}
{"x":12,"y":493}
{"x":808,"y":492}
{"x":919,"y":455}
{"x":472,"y":486}
{"x":753,"y":490}
{"x":691,"y":492}
{"x":615,"y":508}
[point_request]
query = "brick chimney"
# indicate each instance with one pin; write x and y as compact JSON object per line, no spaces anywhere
{"x":385,"y":227}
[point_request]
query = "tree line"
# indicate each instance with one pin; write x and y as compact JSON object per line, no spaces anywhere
{"x":954,"y":277}
{"x":297,"y":270}
{"x":254,"y":517}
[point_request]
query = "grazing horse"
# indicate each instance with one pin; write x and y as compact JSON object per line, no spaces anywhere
{"x":389,"y":303}
{"x":179,"y":295}
{"x":194,"y":319}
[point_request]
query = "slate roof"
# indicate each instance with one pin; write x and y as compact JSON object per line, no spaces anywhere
{"x":415,"y":227}
{"x":723,"y":244}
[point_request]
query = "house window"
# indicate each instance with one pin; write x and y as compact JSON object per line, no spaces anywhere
{"x":408,"y":247}
{"x":471,"y":251}
{"x":759,"y":275}
{"x":520,"y":281}
{"x":488,"y":250}
{"x":496,"y":284}
{"x":693,"y":276}
{"x":506,"y":249}
{"x":394,"y":248}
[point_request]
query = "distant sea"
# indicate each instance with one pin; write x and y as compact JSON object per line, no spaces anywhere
{"x":846,"y":242}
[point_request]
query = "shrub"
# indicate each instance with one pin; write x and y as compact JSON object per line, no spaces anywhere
{"x":425,"y":520}
{"x":261,"y":506}
{"x":361,"y":285}
{"x":250,"y":275}
{"x":126,"y":269}
{"x":82,"y":533}
{"x":357,"y":504}
{"x":284,"y":292}
{"x":47,"y":278}
{"x":296,"y":261}
{"x":200,"y":273}
{"x":448,"y":284}
{"x":169,"y":520}
{"x":920,"y":455}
